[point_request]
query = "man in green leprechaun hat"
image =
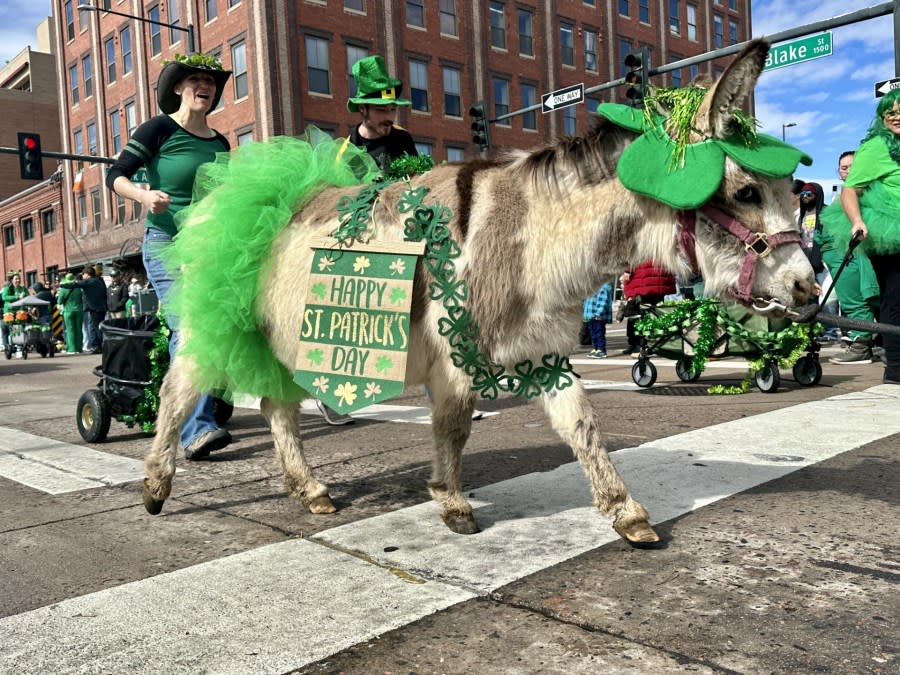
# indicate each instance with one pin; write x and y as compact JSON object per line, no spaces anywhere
{"x":376,"y":100}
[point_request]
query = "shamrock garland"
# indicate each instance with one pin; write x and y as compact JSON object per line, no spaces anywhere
{"x":147,"y":407}
{"x":429,"y":223}
{"x":786,"y":346}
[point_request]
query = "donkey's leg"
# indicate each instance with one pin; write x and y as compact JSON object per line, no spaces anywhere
{"x":574,"y":419}
{"x":284,"y":420}
{"x":451,"y":423}
{"x":177,"y":398}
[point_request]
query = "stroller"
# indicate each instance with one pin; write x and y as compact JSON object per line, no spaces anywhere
{"x":129,"y":383}
{"x":737,"y":332}
{"x":27,"y":336}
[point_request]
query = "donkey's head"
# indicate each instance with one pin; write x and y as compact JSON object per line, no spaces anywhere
{"x":727,"y":188}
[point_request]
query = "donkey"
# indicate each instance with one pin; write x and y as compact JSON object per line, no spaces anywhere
{"x":538,"y":231}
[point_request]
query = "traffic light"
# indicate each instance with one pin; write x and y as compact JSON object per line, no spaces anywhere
{"x":638,"y":64}
{"x":31,"y":166}
{"x":481,"y":128}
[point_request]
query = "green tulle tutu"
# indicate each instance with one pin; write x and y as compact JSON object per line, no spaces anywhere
{"x":241,"y":202}
{"x":880,"y":212}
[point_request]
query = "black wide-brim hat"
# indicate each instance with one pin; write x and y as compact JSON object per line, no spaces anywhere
{"x":174,"y":72}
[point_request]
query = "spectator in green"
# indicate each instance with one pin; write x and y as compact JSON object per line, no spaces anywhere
{"x":12,"y":291}
{"x":71,"y":306}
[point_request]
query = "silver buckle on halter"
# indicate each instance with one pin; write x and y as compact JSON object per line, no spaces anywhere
{"x":760,"y":245}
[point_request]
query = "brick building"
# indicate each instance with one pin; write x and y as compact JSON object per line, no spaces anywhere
{"x":291,"y":61}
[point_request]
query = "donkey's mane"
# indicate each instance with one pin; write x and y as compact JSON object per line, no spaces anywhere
{"x":574,"y":161}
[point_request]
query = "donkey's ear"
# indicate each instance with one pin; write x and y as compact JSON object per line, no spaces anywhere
{"x":731,"y":90}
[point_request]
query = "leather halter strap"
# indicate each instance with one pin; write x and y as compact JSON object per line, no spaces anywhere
{"x":756,"y":244}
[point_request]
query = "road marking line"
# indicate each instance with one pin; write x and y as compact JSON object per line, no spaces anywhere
{"x":289,"y":604}
{"x":55,"y":467}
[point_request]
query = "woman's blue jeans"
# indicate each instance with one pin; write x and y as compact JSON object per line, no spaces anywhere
{"x":201,"y":419}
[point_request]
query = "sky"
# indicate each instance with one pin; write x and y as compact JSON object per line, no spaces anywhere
{"x":830,"y":100}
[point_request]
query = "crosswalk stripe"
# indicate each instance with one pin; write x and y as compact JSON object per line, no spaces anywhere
{"x":285,"y":605}
{"x":55,"y":467}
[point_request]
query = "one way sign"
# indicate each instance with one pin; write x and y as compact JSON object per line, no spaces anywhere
{"x":883,"y":87}
{"x":562,"y":98}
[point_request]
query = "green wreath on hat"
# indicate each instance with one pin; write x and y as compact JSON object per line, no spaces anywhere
{"x":682,"y":174}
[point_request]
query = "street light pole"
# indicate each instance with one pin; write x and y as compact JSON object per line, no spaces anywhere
{"x":84,"y":7}
{"x":786,"y":126}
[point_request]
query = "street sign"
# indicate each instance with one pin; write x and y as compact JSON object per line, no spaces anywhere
{"x":562,"y":98}
{"x":796,"y":51}
{"x":883,"y":87}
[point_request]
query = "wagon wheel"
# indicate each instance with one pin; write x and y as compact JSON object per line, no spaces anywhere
{"x":9,"y":352}
{"x":643,"y":373}
{"x":93,"y":416}
{"x":683,"y":370}
{"x":42,"y":350}
{"x":24,"y":351}
{"x":808,"y":370}
{"x":222,"y":410}
{"x":768,"y":378}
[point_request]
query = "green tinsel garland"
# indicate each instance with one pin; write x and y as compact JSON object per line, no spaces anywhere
{"x":785,"y":346}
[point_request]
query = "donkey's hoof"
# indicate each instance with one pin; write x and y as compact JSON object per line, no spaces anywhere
{"x":321,"y":504}
{"x":461,"y":524}
{"x":639,"y":534}
{"x":151,"y":503}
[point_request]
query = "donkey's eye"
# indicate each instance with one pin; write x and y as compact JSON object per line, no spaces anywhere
{"x":748,"y":195}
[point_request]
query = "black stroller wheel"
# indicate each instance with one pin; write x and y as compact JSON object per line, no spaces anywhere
{"x":93,"y":416}
{"x":643,"y":373}
{"x":684,"y":372}
{"x":768,"y":379}
{"x":808,"y":371}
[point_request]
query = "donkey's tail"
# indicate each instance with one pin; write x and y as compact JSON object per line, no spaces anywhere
{"x":242,"y":201}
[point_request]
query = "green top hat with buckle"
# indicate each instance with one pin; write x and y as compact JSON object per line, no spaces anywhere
{"x":373,"y":85}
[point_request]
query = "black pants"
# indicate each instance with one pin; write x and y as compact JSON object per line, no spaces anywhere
{"x":887,"y":269}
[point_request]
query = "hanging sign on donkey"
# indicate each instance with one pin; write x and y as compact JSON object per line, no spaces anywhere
{"x":354,"y":335}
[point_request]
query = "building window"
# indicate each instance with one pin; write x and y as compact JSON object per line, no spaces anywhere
{"x":73,"y":83}
{"x":82,"y":214}
{"x":567,"y":43}
{"x":526,"y":32}
{"x":120,"y":209}
{"x":644,"y":11}
{"x":78,"y":141}
{"x":718,"y":31}
{"x":424,"y":149}
{"x":452,"y":92}
{"x":155,"y":31}
{"x":732,"y":32}
{"x":27,"y":229}
{"x":455,"y":154}
{"x":9,"y":235}
{"x":245,"y":137}
{"x":418,"y":85}
{"x":592,"y":104}
{"x":130,"y":118}
{"x":448,"y":17}
{"x":732,"y":4}
{"x":88,"y":76}
{"x":95,"y":208}
{"x":109,"y":48}
{"x":624,"y":50}
{"x":498,"y":25}
{"x":624,"y":7}
{"x":569,"y":119}
{"x":692,"y":22}
{"x":501,"y":99}
{"x":529,"y":98}
{"x":317,"y":74}
{"x":354,"y":54}
{"x":415,"y":13}
{"x":233,"y":3}
{"x":125,"y":45}
{"x":52,"y":274}
{"x":675,"y":75}
{"x":239,"y":69}
{"x":136,"y":210}
{"x":92,"y":138}
{"x":693,"y":71}
{"x":590,"y":51}
{"x":115,"y":132}
{"x":674,"y":17}
{"x":212,"y":10}
{"x":174,"y":19}
{"x":355,"y":5}
{"x":48,"y":221}
{"x":70,"y":20}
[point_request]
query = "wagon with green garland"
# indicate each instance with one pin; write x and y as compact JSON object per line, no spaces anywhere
{"x":692,"y":331}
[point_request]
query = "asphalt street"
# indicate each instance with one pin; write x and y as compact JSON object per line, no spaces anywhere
{"x":779,"y":513}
